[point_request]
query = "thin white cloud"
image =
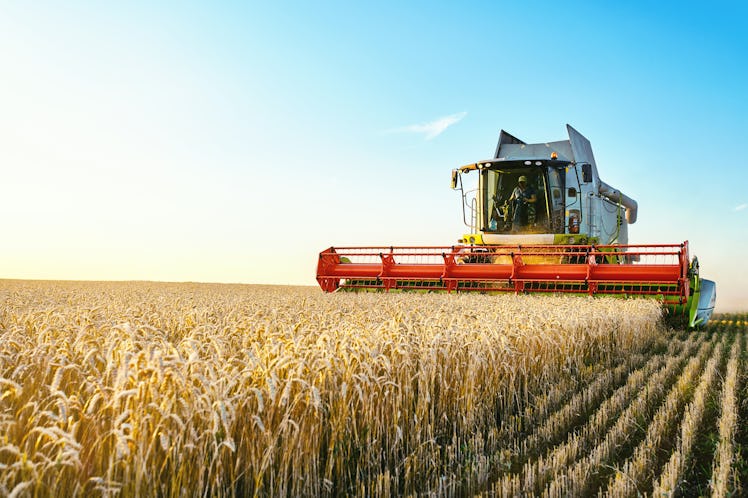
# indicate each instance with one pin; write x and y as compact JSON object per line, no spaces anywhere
{"x":740,"y":207}
{"x":433,"y":128}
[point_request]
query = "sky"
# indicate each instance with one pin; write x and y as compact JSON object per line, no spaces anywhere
{"x":232,"y":142}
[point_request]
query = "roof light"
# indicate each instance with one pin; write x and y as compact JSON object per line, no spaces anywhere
{"x":538,"y":163}
{"x":554,"y":155}
{"x":528,"y":163}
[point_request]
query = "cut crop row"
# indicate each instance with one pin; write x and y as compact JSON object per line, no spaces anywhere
{"x":584,"y":476}
{"x":634,"y":477}
{"x":572,"y":414}
{"x":725,"y":479}
{"x":642,"y":391}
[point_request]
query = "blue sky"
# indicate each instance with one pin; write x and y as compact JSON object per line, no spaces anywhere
{"x":233,"y":142}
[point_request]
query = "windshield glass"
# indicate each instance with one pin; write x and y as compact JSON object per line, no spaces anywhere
{"x":516,"y":200}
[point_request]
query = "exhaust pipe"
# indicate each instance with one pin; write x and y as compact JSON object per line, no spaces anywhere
{"x":616,"y":196}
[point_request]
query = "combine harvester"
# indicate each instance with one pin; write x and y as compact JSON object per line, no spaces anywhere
{"x":541,"y":220}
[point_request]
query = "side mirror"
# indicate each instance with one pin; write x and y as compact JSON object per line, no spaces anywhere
{"x":587,"y":173}
{"x":572,"y":192}
{"x":455,"y":175}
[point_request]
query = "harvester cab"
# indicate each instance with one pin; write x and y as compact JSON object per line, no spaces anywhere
{"x":541,"y":220}
{"x":564,"y":201}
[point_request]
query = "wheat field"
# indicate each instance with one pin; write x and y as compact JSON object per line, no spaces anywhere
{"x":156,"y":389}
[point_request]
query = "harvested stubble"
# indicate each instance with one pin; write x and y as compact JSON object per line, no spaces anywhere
{"x":581,"y":478}
{"x":643,"y":463}
{"x":643,"y":389}
{"x":724,"y":481}
{"x":185,"y":389}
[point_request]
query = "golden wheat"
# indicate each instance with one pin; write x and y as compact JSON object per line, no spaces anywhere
{"x":186,"y":389}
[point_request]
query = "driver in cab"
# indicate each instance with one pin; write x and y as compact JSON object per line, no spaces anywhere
{"x":523,"y":200}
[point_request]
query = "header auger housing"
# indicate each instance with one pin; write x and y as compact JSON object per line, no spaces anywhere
{"x":540,"y":220}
